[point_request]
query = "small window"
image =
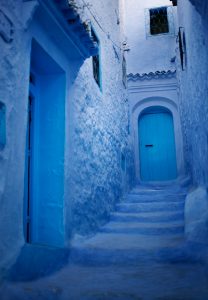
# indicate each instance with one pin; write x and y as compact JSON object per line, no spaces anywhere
{"x":159,"y":21}
{"x":182,"y":47}
{"x":124,"y":71}
{"x":96,"y":61}
{"x":2,"y":125}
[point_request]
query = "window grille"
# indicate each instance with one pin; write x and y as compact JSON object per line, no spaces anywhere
{"x":159,"y":20}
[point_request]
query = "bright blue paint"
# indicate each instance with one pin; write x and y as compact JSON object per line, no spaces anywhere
{"x":157,"y":162}
{"x":47,"y":154}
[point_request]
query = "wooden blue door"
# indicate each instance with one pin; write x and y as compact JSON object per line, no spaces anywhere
{"x":44,"y":180}
{"x":157,"y":145}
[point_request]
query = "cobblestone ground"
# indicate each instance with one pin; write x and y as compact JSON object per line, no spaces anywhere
{"x":145,"y":281}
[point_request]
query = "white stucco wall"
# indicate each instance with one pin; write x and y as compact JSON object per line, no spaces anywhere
{"x":99,"y":133}
{"x":155,"y":92}
{"x":152,"y":56}
{"x":147,"y":53}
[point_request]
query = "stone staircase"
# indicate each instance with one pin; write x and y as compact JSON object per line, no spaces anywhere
{"x":147,"y":225}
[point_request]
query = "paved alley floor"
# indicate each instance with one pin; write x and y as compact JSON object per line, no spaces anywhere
{"x":144,"y":281}
{"x":140,"y":254}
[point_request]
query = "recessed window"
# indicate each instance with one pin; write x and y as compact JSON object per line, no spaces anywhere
{"x":2,"y":125}
{"x":124,"y":71}
{"x":158,"y":20}
{"x":96,"y":61}
{"x":182,"y":47}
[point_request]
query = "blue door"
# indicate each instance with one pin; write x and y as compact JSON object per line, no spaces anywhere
{"x":44,"y":184}
{"x":157,"y":145}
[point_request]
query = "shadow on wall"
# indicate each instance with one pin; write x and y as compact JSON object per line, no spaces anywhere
{"x":36,"y":261}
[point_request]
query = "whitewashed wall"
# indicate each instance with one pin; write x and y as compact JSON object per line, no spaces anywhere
{"x":152,"y":70}
{"x":99,"y":135}
{"x":147,"y":53}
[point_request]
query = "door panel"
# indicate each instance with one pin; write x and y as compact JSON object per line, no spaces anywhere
{"x":157,"y":147}
{"x":44,"y":184}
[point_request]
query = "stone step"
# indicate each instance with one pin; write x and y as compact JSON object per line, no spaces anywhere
{"x":134,"y":198}
{"x":150,"y":207}
{"x":153,"y":191}
{"x":152,"y":217}
{"x":112,"y":248}
{"x":144,"y":228}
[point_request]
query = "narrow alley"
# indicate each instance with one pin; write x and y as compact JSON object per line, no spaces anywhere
{"x":103,"y":150}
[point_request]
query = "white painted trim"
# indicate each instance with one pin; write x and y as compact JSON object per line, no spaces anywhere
{"x":172,"y":107}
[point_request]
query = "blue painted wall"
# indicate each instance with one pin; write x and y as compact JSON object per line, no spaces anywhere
{"x":79,"y":134}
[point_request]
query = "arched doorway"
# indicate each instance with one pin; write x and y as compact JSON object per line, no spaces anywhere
{"x":157,"y":144}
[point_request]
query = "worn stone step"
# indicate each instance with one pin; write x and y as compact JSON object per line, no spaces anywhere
{"x":112,"y":248}
{"x":152,"y":217}
{"x":134,"y":198}
{"x":158,"y":191}
{"x":125,"y":241}
{"x":150,"y":206}
{"x":100,"y":257}
{"x":144,"y":228}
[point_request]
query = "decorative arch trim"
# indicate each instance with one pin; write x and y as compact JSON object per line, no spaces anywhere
{"x":164,"y":101}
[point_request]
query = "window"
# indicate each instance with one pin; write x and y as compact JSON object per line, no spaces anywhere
{"x":159,"y":20}
{"x":182,"y":47}
{"x":124,"y":71}
{"x":96,"y":60}
{"x":2,"y":125}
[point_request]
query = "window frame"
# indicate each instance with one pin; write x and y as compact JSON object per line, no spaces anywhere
{"x":98,"y":56}
{"x":171,"y":22}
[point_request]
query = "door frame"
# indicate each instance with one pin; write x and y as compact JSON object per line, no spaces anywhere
{"x":137,"y":110}
{"x":40,"y":58}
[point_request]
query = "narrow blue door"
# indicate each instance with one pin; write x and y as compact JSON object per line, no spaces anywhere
{"x":157,"y":145}
{"x":44,"y":184}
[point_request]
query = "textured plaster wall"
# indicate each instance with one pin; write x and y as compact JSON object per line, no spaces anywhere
{"x":193,"y":84}
{"x":96,"y":123}
{"x":147,"y":53}
{"x":12,"y":93}
{"x":99,"y":135}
